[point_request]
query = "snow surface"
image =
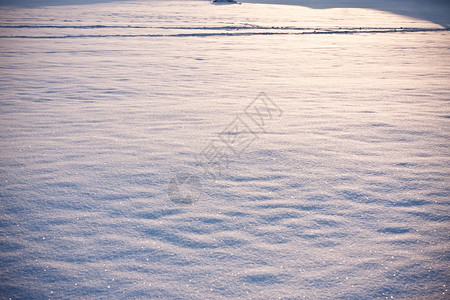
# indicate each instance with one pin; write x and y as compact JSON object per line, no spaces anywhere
{"x":343,"y":195}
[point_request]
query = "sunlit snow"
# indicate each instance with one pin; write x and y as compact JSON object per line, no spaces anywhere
{"x":109,"y":110}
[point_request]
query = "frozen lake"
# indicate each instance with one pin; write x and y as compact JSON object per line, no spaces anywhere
{"x":106,"y":109}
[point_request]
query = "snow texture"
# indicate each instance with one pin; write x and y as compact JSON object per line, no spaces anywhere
{"x":108,"y":108}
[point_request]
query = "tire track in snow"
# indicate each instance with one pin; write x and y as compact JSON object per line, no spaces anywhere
{"x":294,"y":31}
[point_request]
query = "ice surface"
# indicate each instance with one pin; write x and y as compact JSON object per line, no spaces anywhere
{"x":343,"y":196}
